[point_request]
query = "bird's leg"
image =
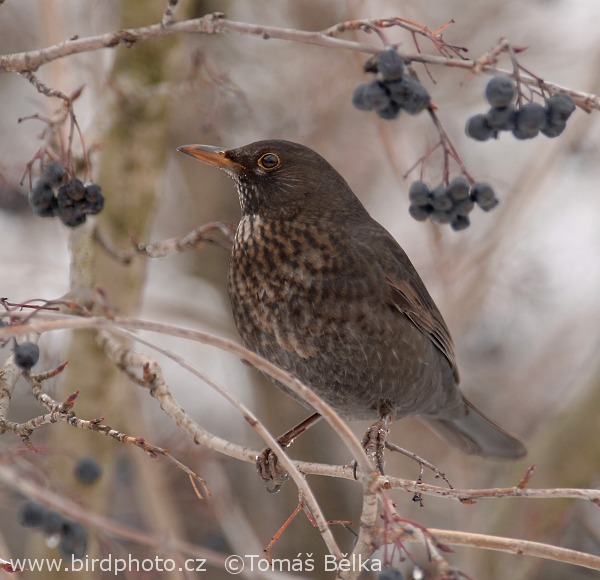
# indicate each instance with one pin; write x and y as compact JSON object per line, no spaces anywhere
{"x":374,"y":440}
{"x":268,"y":464}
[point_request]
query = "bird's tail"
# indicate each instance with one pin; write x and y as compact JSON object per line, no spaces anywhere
{"x":475,"y":434}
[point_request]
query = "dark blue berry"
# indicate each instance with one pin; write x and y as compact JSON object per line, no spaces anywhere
{"x":478,"y":128}
{"x":94,"y":200}
{"x":73,"y":540}
{"x":31,"y":514}
{"x":420,"y":212}
{"x":72,"y":216}
{"x":484,"y":196}
{"x":390,"y":111}
{"x":459,"y":188}
{"x":419,"y":193}
{"x":440,"y":216}
{"x":553,"y":129}
{"x":52,"y":522}
{"x":88,"y":470}
{"x":410,"y":94}
{"x":26,"y":355}
{"x":440,"y":199}
{"x":500,"y":91}
{"x":529,"y":119}
{"x":371,"y":96}
{"x":390,"y":65}
{"x":501,"y":118}
{"x":460,"y":222}
{"x":559,"y":107}
{"x":54,"y":173}
{"x":463,"y":207}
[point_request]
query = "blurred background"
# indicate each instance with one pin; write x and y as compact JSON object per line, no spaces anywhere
{"x":519,"y":289}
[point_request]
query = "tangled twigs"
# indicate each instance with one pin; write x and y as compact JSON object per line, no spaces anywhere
{"x":63,"y":412}
{"x":73,"y":123}
{"x":414,"y":28}
{"x":400,"y":530}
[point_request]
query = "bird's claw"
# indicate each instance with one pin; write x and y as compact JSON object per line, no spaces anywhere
{"x":374,"y":442}
{"x":270,"y":471}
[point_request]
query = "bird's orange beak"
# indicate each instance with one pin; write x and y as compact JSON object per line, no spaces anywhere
{"x":216,"y":156}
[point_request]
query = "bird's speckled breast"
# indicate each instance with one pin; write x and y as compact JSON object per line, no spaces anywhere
{"x":300,"y":300}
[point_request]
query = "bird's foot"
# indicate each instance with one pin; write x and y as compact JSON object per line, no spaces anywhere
{"x":271,"y":472}
{"x":267,"y":462}
{"x":374,"y":441}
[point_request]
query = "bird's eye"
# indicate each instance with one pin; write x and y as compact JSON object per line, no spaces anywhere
{"x":269,"y":161}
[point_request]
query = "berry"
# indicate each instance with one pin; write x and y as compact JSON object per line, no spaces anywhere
{"x":54,"y":173}
{"x":52,"y":522}
{"x":440,"y":216}
{"x":390,"y":111}
{"x":371,"y":96}
{"x":410,"y":94}
{"x":478,"y":128}
{"x":26,"y":355}
{"x":440,"y":199}
{"x":31,"y":514}
{"x":94,"y":200}
{"x":419,"y":193}
{"x":501,"y":118}
{"x":358,"y":98}
{"x":42,"y":200}
{"x":93,"y":192}
{"x":93,"y":208}
{"x":73,"y":541}
{"x":72,"y":216}
{"x":390,"y":65}
{"x":559,"y":107}
{"x":88,"y":470}
{"x":73,"y":190}
{"x":483,"y":195}
{"x":63,"y":197}
{"x":459,"y":188}
{"x":529,"y":119}
{"x":500,"y":91}
{"x":420,"y":212}
{"x":460,"y":222}
{"x":463,"y":207}
{"x":390,"y":574}
{"x":553,"y":129}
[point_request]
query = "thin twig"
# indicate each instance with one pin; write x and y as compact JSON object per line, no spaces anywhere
{"x":216,"y":24}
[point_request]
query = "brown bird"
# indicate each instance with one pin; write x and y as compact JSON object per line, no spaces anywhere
{"x":321,"y":289}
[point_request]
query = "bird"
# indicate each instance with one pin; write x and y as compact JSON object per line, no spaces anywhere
{"x":321,"y":289}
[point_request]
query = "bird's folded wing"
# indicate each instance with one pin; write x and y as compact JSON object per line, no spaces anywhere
{"x":420,"y":309}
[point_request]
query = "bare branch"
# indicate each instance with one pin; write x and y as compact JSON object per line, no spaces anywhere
{"x":216,"y":23}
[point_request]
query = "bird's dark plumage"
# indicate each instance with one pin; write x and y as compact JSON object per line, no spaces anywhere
{"x":324,"y":291}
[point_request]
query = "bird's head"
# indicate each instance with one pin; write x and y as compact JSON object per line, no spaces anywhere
{"x":281,"y":179}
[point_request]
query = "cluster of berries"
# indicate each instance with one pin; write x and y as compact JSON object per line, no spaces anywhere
{"x":73,"y":537}
{"x":69,"y":200}
{"x":393,"y":92}
{"x":526,"y":121}
{"x":450,"y":204}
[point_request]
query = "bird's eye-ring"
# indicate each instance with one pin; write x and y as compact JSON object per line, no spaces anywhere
{"x":269,"y":161}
